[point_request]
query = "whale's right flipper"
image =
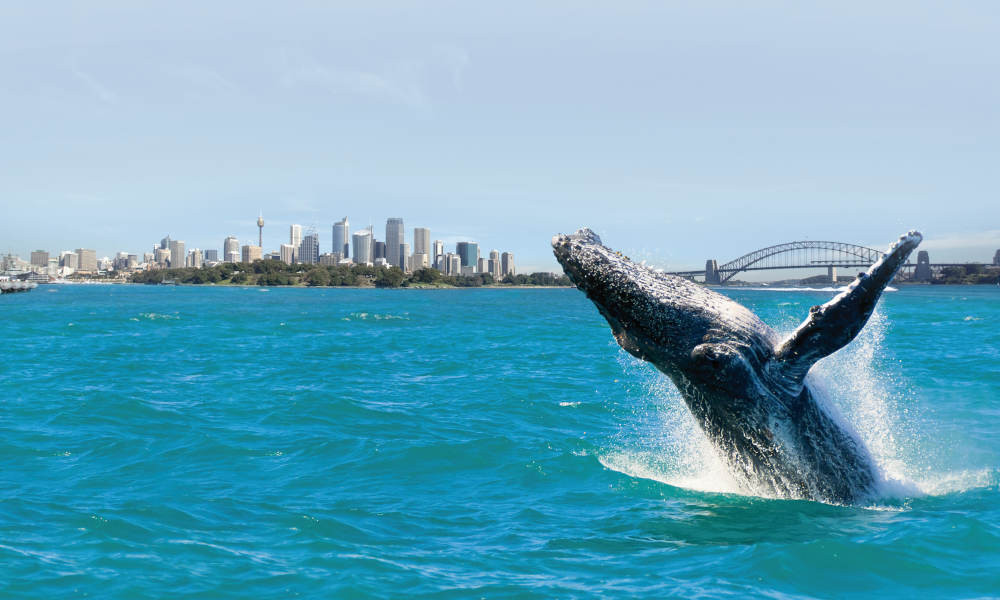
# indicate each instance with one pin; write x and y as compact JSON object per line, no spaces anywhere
{"x":833,"y":325}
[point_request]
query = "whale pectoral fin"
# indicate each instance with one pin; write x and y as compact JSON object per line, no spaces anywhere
{"x":833,"y":325}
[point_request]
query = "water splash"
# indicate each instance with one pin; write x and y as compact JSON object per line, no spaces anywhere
{"x":860,"y":386}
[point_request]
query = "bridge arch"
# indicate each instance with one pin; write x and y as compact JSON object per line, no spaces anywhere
{"x":801,"y":254}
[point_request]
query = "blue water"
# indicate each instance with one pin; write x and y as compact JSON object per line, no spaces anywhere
{"x":191,"y":442}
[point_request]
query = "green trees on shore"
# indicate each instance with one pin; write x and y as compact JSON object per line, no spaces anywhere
{"x":277,"y":273}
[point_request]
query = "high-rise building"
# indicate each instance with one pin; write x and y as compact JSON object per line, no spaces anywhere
{"x":419,"y":261}
{"x":404,"y":258}
{"x":379,"y":249}
{"x":996,"y":258}
{"x":341,"y":243}
{"x":394,"y":237}
{"x":454,"y":264}
{"x":309,"y":250}
{"x":494,"y":265}
{"x":287,"y":253}
{"x":211,"y":256}
{"x":86,"y":260}
{"x":69,"y":259}
{"x":177,"y":254}
{"x":481,"y":265}
{"x":251,"y":253}
{"x":469,"y":251}
{"x":329,"y":259}
{"x":231,"y":249}
{"x":437,"y":252}
{"x":39,"y":258}
{"x":195,"y":259}
{"x":507,"y":264}
{"x":421,"y":241}
{"x":363,"y":251}
{"x":295,"y":240}
{"x":161,"y":257}
{"x":165,"y":243}
{"x":148,"y":258}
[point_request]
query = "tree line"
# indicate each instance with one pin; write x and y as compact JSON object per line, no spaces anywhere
{"x":277,"y":273}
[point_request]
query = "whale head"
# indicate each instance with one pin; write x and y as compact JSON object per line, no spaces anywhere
{"x":659,"y":317}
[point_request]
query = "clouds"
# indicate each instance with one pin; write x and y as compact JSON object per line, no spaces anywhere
{"x":95,"y":87}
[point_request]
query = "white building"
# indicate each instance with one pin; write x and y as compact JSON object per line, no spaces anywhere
{"x":419,"y":261}
{"x":507,"y":264}
{"x":294,"y":240}
{"x":287,"y":251}
{"x":436,"y":253}
{"x":363,"y":250}
{"x":231,"y":249}
{"x":404,"y":258}
{"x":340,"y":238}
{"x":421,"y":241}
{"x":178,"y":258}
{"x":251,"y":253}
{"x":481,"y":265}
{"x":494,"y":265}
{"x":195,"y":259}
{"x":86,"y":260}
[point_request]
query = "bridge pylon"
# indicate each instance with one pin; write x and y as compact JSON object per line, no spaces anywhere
{"x":712,"y":272}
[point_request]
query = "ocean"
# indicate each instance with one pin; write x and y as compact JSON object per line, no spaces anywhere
{"x":210,"y":442}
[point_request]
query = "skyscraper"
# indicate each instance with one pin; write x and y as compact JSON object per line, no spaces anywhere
{"x":309,"y":250}
{"x":507,"y":264}
{"x":494,"y":265}
{"x":421,"y":241}
{"x":195,"y":259}
{"x":231,"y":249}
{"x":469,"y":252}
{"x":379,"y":249}
{"x":288,"y":253}
{"x":394,"y":237}
{"x":404,"y":257}
{"x":86,"y":260}
{"x":295,"y":240}
{"x":363,"y":254}
{"x":177,"y":254}
{"x":211,"y":256}
{"x":340,"y":238}
{"x":436,"y":254}
{"x":39,"y":258}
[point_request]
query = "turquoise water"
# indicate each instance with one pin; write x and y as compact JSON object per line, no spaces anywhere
{"x":222,"y":442}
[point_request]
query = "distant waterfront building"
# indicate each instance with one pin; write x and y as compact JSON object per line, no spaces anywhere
{"x":454,"y":264}
{"x":161,"y":258}
{"x":251,"y":253}
{"x":421,"y":241}
{"x":404,"y":258}
{"x":165,"y":243}
{"x":86,"y":260}
{"x":341,"y":234}
{"x":309,"y":250}
{"x":494,"y":265}
{"x":330,"y":259}
{"x":231,"y":249}
{"x":147,"y":258}
{"x":363,"y":251}
{"x":295,"y":240}
{"x":436,"y":253}
{"x":507,"y":264}
{"x":40,"y":258}
{"x":177,"y":254}
{"x":212,"y":256}
{"x":996,"y":259}
{"x":482,"y":266}
{"x":469,"y":251}
{"x":195,"y":259}
{"x":420,"y":261}
{"x":287,"y":253}
{"x":379,"y":249}
{"x":69,"y":259}
{"x":394,"y":237}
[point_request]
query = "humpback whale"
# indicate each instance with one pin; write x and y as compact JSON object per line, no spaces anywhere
{"x":745,"y":386}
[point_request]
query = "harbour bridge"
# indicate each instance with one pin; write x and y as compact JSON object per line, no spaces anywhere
{"x":808,"y":255}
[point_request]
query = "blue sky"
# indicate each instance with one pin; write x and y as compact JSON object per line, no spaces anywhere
{"x":679,"y":131}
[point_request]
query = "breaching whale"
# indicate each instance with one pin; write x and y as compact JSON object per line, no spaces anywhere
{"x":745,"y":386}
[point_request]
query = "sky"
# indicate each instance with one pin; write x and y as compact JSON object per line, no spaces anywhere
{"x":679,"y":131}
